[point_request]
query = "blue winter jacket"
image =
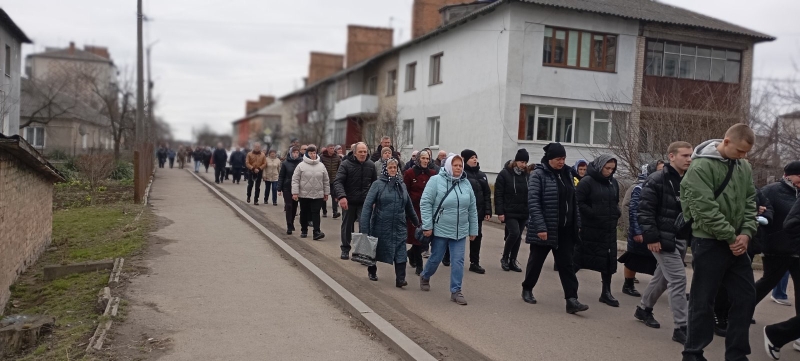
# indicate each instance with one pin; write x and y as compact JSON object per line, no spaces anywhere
{"x":458,"y":217}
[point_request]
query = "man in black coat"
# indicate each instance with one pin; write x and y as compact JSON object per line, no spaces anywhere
{"x":352,"y":183}
{"x":220,"y":159}
{"x":552,"y":225}
{"x":659,"y":208}
{"x":781,"y":248}
{"x":237,"y":164}
{"x":483,"y":195}
{"x":511,"y":206}
{"x":386,"y":142}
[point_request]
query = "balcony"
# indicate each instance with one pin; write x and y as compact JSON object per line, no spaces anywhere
{"x":356,"y":105}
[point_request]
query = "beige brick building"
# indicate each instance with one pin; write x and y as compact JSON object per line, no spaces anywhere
{"x":26,"y":209}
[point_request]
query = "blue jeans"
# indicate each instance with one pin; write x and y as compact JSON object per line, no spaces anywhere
{"x":196,"y":166}
{"x":274,"y":187}
{"x":779,"y":292}
{"x":438,"y":246}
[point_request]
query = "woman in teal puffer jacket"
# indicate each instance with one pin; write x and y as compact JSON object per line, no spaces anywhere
{"x":384,"y":216}
{"x":451,"y":225}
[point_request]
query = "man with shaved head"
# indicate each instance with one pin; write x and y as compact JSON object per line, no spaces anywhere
{"x":351,"y":186}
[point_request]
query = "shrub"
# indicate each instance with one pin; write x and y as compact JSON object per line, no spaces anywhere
{"x":122,"y":171}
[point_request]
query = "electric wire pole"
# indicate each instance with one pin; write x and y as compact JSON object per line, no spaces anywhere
{"x":140,"y":129}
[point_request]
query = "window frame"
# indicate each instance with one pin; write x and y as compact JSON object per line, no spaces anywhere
{"x":342,"y":89}
{"x":434,"y":132}
{"x":553,"y":132}
{"x":7,"y":61}
{"x":411,"y":76}
{"x":592,"y":34}
{"x":696,"y":56}
{"x":36,"y":130}
{"x":372,"y":85}
{"x":391,"y":83}
{"x":408,"y":132}
{"x":435,"y":76}
{"x":340,"y":131}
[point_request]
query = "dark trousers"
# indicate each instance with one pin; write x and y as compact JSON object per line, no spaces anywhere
{"x":219,"y":173}
{"x":205,"y":164}
{"x":309,"y":211}
{"x":399,"y":271}
{"x":784,"y":332}
{"x":290,"y":208}
{"x":237,"y":173}
{"x":273,"y":186}
{"x":415,"y":255}
{"x":349,"y":216}
{"x":514,"y":229}
{"x":334,"y":205}
{"x":714,"y":266}
{"x":171,"y":162}
{"x":475,"y":244}
{"x":161,"y":162}
{"x":255,"y":179}
{"x":774,"y":269}
{"x":227,"y":172}
{"x":563,"y":259}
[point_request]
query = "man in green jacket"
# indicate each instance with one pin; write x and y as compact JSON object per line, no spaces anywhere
{"x":722,"y":227}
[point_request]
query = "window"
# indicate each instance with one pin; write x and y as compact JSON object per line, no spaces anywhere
{"x":433,"y":132}
{"x":408,"y":131}
{"x":339,"y":130}
{"x":391,"y":82}
{"x":566,"y":125}
{"x":35,"y":136}
{"x":579,"y":49}
{"x":411,"y":75}
{"x":372,"y":86}
{"x":696,"y":62}
{"x":8,"y":61}
{"x":341,"y":89}
{"x":84,"y":141}
{"x":436,"y":69}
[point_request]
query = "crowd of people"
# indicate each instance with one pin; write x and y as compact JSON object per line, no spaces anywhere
{"x":701,"y":198}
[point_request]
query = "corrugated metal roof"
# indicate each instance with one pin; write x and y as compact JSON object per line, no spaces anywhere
{"x":654,"y":11}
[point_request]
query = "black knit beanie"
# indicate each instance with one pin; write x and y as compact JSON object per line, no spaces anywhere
{"x":553,"y":151}
{"x":522,"y":156}
{"x":467,"y":154}
{"x":792,"y":168}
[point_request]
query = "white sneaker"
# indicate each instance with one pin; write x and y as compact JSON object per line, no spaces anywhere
{"x":426,"y":254}
{"x":780,"y":301}
{"x":772,"y":351}
{"x":796,"y":345}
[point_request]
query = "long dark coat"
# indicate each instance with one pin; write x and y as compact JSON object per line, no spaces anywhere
{"x":598,"y":201}
{"x":415,"y":180}
{"x":387,"y":219}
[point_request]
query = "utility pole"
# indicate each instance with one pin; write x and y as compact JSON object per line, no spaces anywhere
{"x":140,"y":131}
{"x":151,"y":121}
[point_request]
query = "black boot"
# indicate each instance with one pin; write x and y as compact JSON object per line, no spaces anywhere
{"x":646,"y":316}
{"x":679,"y":335}
{"x":504,"y":264}
{"x":512,"y":265}
{"x":400,"y":275}
{"x":629,"y":289}
{"x":573,"y":306}
{"x":606,"y":296}
{"x":527,"y":296}
{"x":475,"y":267}
{"x":720,"y":326}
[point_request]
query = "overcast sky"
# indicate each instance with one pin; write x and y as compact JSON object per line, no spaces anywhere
{"x":212,"y":55}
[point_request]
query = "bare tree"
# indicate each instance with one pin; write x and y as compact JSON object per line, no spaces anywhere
{"x":313,"y":115}
{"x":116,"y":101}
{"x":95,"y":167}
{"x":44,"y":100}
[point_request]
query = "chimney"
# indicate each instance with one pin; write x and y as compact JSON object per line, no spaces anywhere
{"x":323,"y":65}
{"x":72,"y":47}
{"x":425,"y":15}
{"x":250,"y":107}
{"x":265,"y":100}
{"x":365,"y":42}
{"x":100,"y":51}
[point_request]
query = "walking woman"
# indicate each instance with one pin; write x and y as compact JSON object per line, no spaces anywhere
{"x":311,"y":185}
{"x":598,"y":201}
{"x":483,"y":194}
{"x":553,"y":225}
{"x":449,"y":216}
{"x":271,"y":173}
{"x":285,"y":183}
{"x":511,"y":206}
{"x":415,"y":179}
{"x":384,"y":216}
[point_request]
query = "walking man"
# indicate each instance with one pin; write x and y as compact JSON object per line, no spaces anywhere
{"x":220,"y":159}
{"x":332,"y":162}
{"x":659,"y":207}
{"x":718,"y":198}
{"x":352,"y":183}
{"x":255,"y":163}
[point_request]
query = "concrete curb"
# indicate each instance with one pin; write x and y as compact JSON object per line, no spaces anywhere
{"x":403,"y":345}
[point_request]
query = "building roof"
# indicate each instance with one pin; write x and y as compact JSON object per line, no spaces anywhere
{"x":654,"y":11}
{"x":792,"y":115}
{"x":24,"y":152}
{"x":643,"y":10}
{"x":33,"y":99}
{"x":275,"y":108}
{"x":71,"y":54}
{"x":12,"y":27}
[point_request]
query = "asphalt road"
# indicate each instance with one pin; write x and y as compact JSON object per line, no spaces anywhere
{"x":497,"y":324}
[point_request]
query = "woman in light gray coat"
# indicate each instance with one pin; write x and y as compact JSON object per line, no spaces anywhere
{"x":384,"y":215}
{"x":386,"y":154}
{"x":311,"y":185}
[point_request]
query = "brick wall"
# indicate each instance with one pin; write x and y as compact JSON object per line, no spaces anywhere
{"x":323,"y":65}
{"x":425,"y":16}
{"x":26,"y":219}
{"x":364,"y":42}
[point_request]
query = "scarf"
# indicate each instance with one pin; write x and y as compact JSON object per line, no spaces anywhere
{"x":385,"y":172}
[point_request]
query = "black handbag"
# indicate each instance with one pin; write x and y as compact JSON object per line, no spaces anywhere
{"x":683,"y":225}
